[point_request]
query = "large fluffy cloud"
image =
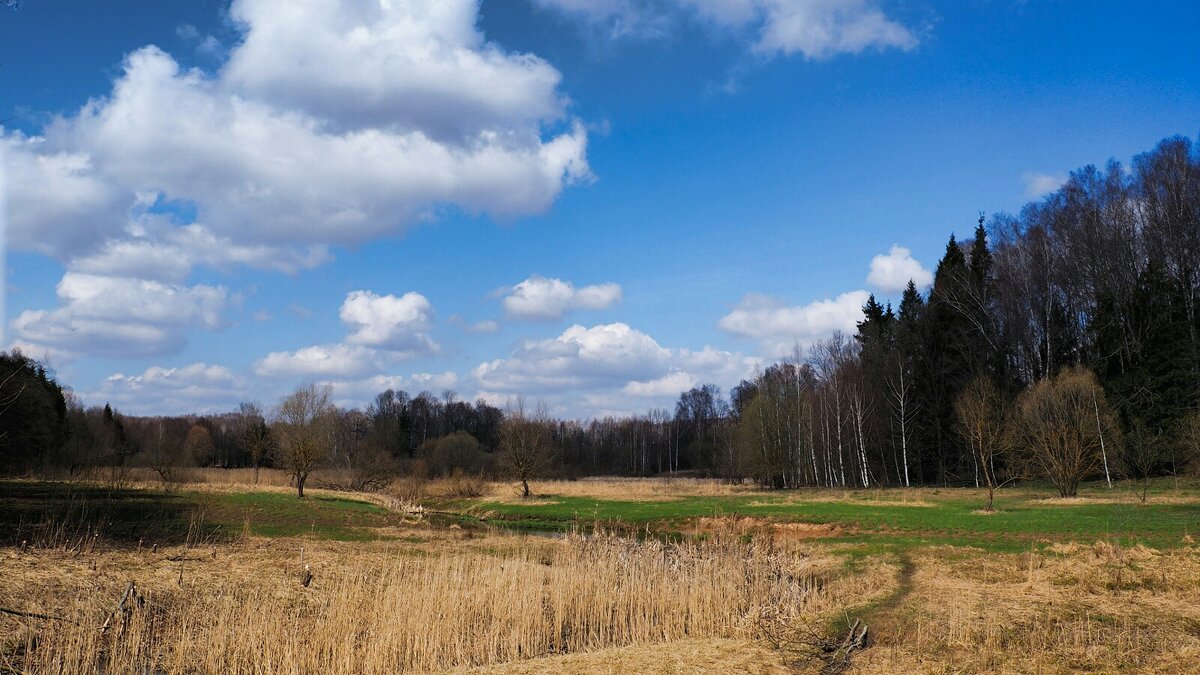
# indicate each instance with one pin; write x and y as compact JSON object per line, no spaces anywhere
{"x":265,"y":173}
{"x":540,"y":298}
{"x":121,"y":316}
{"x":606,"y":369}
{"x":817,"y":29}
{"x":420,"y":64}
{"x":782,"y":328}
{"x":892,"y":271}
{"x":331,"y":122}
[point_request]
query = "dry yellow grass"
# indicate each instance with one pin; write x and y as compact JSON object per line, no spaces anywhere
{"x":719,"y":655}
{"x":616,"y":488}
{"x":1076,"y":608}
{"x":437,"y":599}
{"x":442,"y":602}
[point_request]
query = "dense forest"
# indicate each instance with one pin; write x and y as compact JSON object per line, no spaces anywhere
{"x":1062,"y":343}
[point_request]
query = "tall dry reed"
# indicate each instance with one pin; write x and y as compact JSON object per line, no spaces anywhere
{"x":394,"y":613}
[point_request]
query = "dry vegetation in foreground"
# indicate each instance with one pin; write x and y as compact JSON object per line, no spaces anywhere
{"x":1074,"y":608}
{"x":441,"y":602}
{"x":749,"y":596}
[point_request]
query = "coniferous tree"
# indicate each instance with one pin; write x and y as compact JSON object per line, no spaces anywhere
{"x":946,"y":363}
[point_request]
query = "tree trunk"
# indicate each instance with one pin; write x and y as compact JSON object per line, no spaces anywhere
{"x":300,"y":478}
{"x":525,"y":489}
{"x":1100,"y":431}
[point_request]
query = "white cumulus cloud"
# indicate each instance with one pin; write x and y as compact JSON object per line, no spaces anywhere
{"x":198,"y":388}
{"x":781,"y":328}
{"x":541,"y":298}
{"x":328,"y":361}
{"x":330,"y":123}
{"x":121,"y":316}
{"x":670,"y":384}
{"x":399,"y":324}
{"x":612,"y":353}
{"x":605,"y":369}
{"x":891,"y":271}
{"x":381,"y":329}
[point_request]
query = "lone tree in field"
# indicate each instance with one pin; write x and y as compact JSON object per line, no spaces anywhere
{"x":254,"y":435}
{"x":525,"y":444}
{"x":304,"y":427}
{"x":982,"y":416}
{"x":1063,"y":423}
{"x":1144,"y":455}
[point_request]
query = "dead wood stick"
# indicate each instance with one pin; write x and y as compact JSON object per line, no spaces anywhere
{"x":130,"y":592}
{"x":32,"y":615}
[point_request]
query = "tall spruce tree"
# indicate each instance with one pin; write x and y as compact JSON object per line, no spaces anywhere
{"x":876,"y":338}
{"x":948,"y":361}
{"x":905,"y":393}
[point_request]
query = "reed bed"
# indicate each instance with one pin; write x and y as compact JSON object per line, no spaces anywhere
{"x":499,"y":599}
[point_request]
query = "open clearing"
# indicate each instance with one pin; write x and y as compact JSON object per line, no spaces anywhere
{"x":706,"y":578}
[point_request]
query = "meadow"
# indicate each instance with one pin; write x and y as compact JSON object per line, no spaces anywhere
{"x":616,"y":575}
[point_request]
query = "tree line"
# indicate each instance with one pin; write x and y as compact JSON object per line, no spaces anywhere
{"x":1060,"y":343}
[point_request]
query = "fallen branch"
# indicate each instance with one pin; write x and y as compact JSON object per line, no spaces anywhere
{"x":33,"y":615}
{"x":838,"y":658}
{"x":124,"y":607}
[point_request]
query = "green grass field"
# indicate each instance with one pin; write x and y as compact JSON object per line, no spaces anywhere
{"x":1024,"y":518}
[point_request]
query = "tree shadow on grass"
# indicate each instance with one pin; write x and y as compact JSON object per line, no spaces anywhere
{"x":51,"y":514}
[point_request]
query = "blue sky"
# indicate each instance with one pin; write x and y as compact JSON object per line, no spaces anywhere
{"x":596,"y":204}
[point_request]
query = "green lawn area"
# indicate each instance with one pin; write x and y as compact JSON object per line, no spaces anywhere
{"x":51,"y":512}
{"x":870,"y":520}
{"x":1025,"y":518}
{"x":276,"y":514}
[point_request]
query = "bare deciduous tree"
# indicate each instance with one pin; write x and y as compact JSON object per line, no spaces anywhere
{"x":525,"y":443}
{"x":304,"y":427}
{"x":1057,"y":423}
{"x":982,"y":418}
